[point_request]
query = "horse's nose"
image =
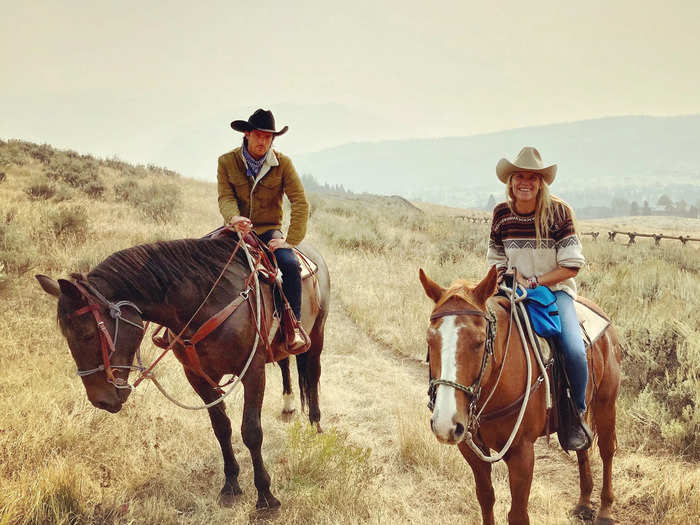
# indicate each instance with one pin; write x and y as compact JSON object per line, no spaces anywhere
{"x":447,"y":429}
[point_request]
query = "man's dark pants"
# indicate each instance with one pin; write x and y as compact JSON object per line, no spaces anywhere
{"x":291,"y":272}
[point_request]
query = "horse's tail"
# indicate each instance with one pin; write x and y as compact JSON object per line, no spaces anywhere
{"x":304,"y":383}
{"x":309,"y":370}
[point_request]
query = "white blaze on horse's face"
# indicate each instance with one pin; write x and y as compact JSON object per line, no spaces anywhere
{"x":445,"y":418}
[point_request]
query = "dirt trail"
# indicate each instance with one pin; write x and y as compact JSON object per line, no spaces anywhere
{"x":369,"y":390}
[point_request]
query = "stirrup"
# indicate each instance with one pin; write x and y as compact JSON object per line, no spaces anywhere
{"x":300,"y":342}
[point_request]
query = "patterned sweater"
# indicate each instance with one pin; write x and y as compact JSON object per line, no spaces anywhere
{"x":512,"y":244}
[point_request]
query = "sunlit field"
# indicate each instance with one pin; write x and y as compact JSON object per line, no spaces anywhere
{"x":64,"y":461}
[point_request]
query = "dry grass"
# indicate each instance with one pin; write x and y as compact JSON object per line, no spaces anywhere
{"x":62,"y":461}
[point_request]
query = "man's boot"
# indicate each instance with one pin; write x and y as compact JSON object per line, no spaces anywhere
{"x":581,"y":436}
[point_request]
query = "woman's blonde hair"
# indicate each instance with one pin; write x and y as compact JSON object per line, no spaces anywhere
{"x":549,"y":209}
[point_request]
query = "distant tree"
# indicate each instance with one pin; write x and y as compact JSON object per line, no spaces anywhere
{"x":681,"y":207}
{"x":310,"y":182}
{"x":634,"y":208}
{"x":693,"y":212}
{"x":664,"y":200}
{"x":620,"y":206}
{"x":646,"y":210}
{"x":491,"y":204}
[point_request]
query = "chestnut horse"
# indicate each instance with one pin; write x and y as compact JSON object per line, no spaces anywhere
{"x":466,"y":339}
{"x":164,"y":283}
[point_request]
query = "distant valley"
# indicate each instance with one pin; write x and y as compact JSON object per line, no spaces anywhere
{"x":606,"y":166}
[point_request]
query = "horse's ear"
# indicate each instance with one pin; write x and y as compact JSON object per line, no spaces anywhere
{"x":432,"y":289}
{"x":487,"y":287}
{"x":70,"y":290}
{"x":49,"y":285}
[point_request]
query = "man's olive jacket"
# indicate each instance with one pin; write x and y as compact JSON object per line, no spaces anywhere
{"x":260,"y":199}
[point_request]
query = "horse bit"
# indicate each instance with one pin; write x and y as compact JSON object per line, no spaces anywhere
{"x":472,"y":391}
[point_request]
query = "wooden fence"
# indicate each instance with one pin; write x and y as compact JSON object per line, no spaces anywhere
{"x":631,"y":236}
{"x":474,"y":219}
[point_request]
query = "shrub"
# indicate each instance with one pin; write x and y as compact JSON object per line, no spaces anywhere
{"x":68,"y":221}
{"x":95,"y":188}
{"x":40,"y":189}
{"x":63,"y":193}
{"x":125,"y":189}
{"x":326,"y":471}
{"x":41,"y":152}
{"x":158,"y":202}
{"x":17,"y":252}
{"x":661,"y":371}
{"x":74,"y":171}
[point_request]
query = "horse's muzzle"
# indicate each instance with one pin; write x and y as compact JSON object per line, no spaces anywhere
{"x":449,"y":433}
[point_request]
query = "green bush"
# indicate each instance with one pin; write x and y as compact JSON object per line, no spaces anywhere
{"x":125,"y":189}
{"x":40,"y":188}
{"x":68,"y":221}
{"x":63,"y":193}
{"x":17,"y":251}
{"x":94,"y":189}
{"x":158,"y":202}
{"x":662,"y":368}
{"x":324,"y":470}
{"x":74,"y":171}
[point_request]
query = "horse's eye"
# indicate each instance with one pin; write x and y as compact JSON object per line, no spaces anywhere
{"x":432,"y":336}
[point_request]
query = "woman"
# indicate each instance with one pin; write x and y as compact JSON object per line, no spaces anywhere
{"x":534,"y":233}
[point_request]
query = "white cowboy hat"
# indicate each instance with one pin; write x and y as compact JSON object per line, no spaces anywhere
{"x":527,"y":160}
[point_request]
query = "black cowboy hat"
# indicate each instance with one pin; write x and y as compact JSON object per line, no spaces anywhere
{"x":262,"y":119}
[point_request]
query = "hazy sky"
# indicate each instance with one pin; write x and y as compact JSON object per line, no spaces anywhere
{"x":149,"y":81}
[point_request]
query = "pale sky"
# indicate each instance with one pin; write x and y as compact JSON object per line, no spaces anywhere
{"x":156,"y":81}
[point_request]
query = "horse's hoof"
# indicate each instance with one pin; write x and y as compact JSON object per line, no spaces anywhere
{"x":603,"y":521}
{"x":267,"y":501}
{"x":319,"y":430}
{"x":288,"y":411}
{"x":229,"y":495}
{"x":583,"y":512}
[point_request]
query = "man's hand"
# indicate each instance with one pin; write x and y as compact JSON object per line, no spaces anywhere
{"x":241,"y":224}
{"x":275,"y":244}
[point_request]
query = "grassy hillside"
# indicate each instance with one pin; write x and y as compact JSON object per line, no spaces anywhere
{"x":65,"y":462}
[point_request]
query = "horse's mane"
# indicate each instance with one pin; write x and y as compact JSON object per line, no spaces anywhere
{"x":148,"y":270}
{"x":461,"y":289}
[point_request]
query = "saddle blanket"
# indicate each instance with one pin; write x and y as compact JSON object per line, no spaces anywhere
{"x":592,"y":327}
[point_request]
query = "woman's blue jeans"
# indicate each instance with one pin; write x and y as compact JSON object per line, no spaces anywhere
{"x":570,"y":342}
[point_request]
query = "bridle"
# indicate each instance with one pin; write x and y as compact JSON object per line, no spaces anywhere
{"x":108,"y":345}
{"x":472,"y":391}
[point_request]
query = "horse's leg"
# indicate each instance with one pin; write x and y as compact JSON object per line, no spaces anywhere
{"x":251,"y":430}
{"x":520,"y":460}
{"x":287,"y":394}
{"x":309,"y":368}
{"x":482,"y":478}
{"x":222,"y":430}
{"x":604,"y":415}
{"x":583,"y":509}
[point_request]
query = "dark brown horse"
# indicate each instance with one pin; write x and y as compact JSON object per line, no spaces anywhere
{"x":165,"y":283}
{"x":465,"y":317}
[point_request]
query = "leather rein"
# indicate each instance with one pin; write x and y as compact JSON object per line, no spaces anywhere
{"x":96,"y":301}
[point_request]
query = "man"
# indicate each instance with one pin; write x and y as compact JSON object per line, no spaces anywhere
{"x":251,"y":181}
